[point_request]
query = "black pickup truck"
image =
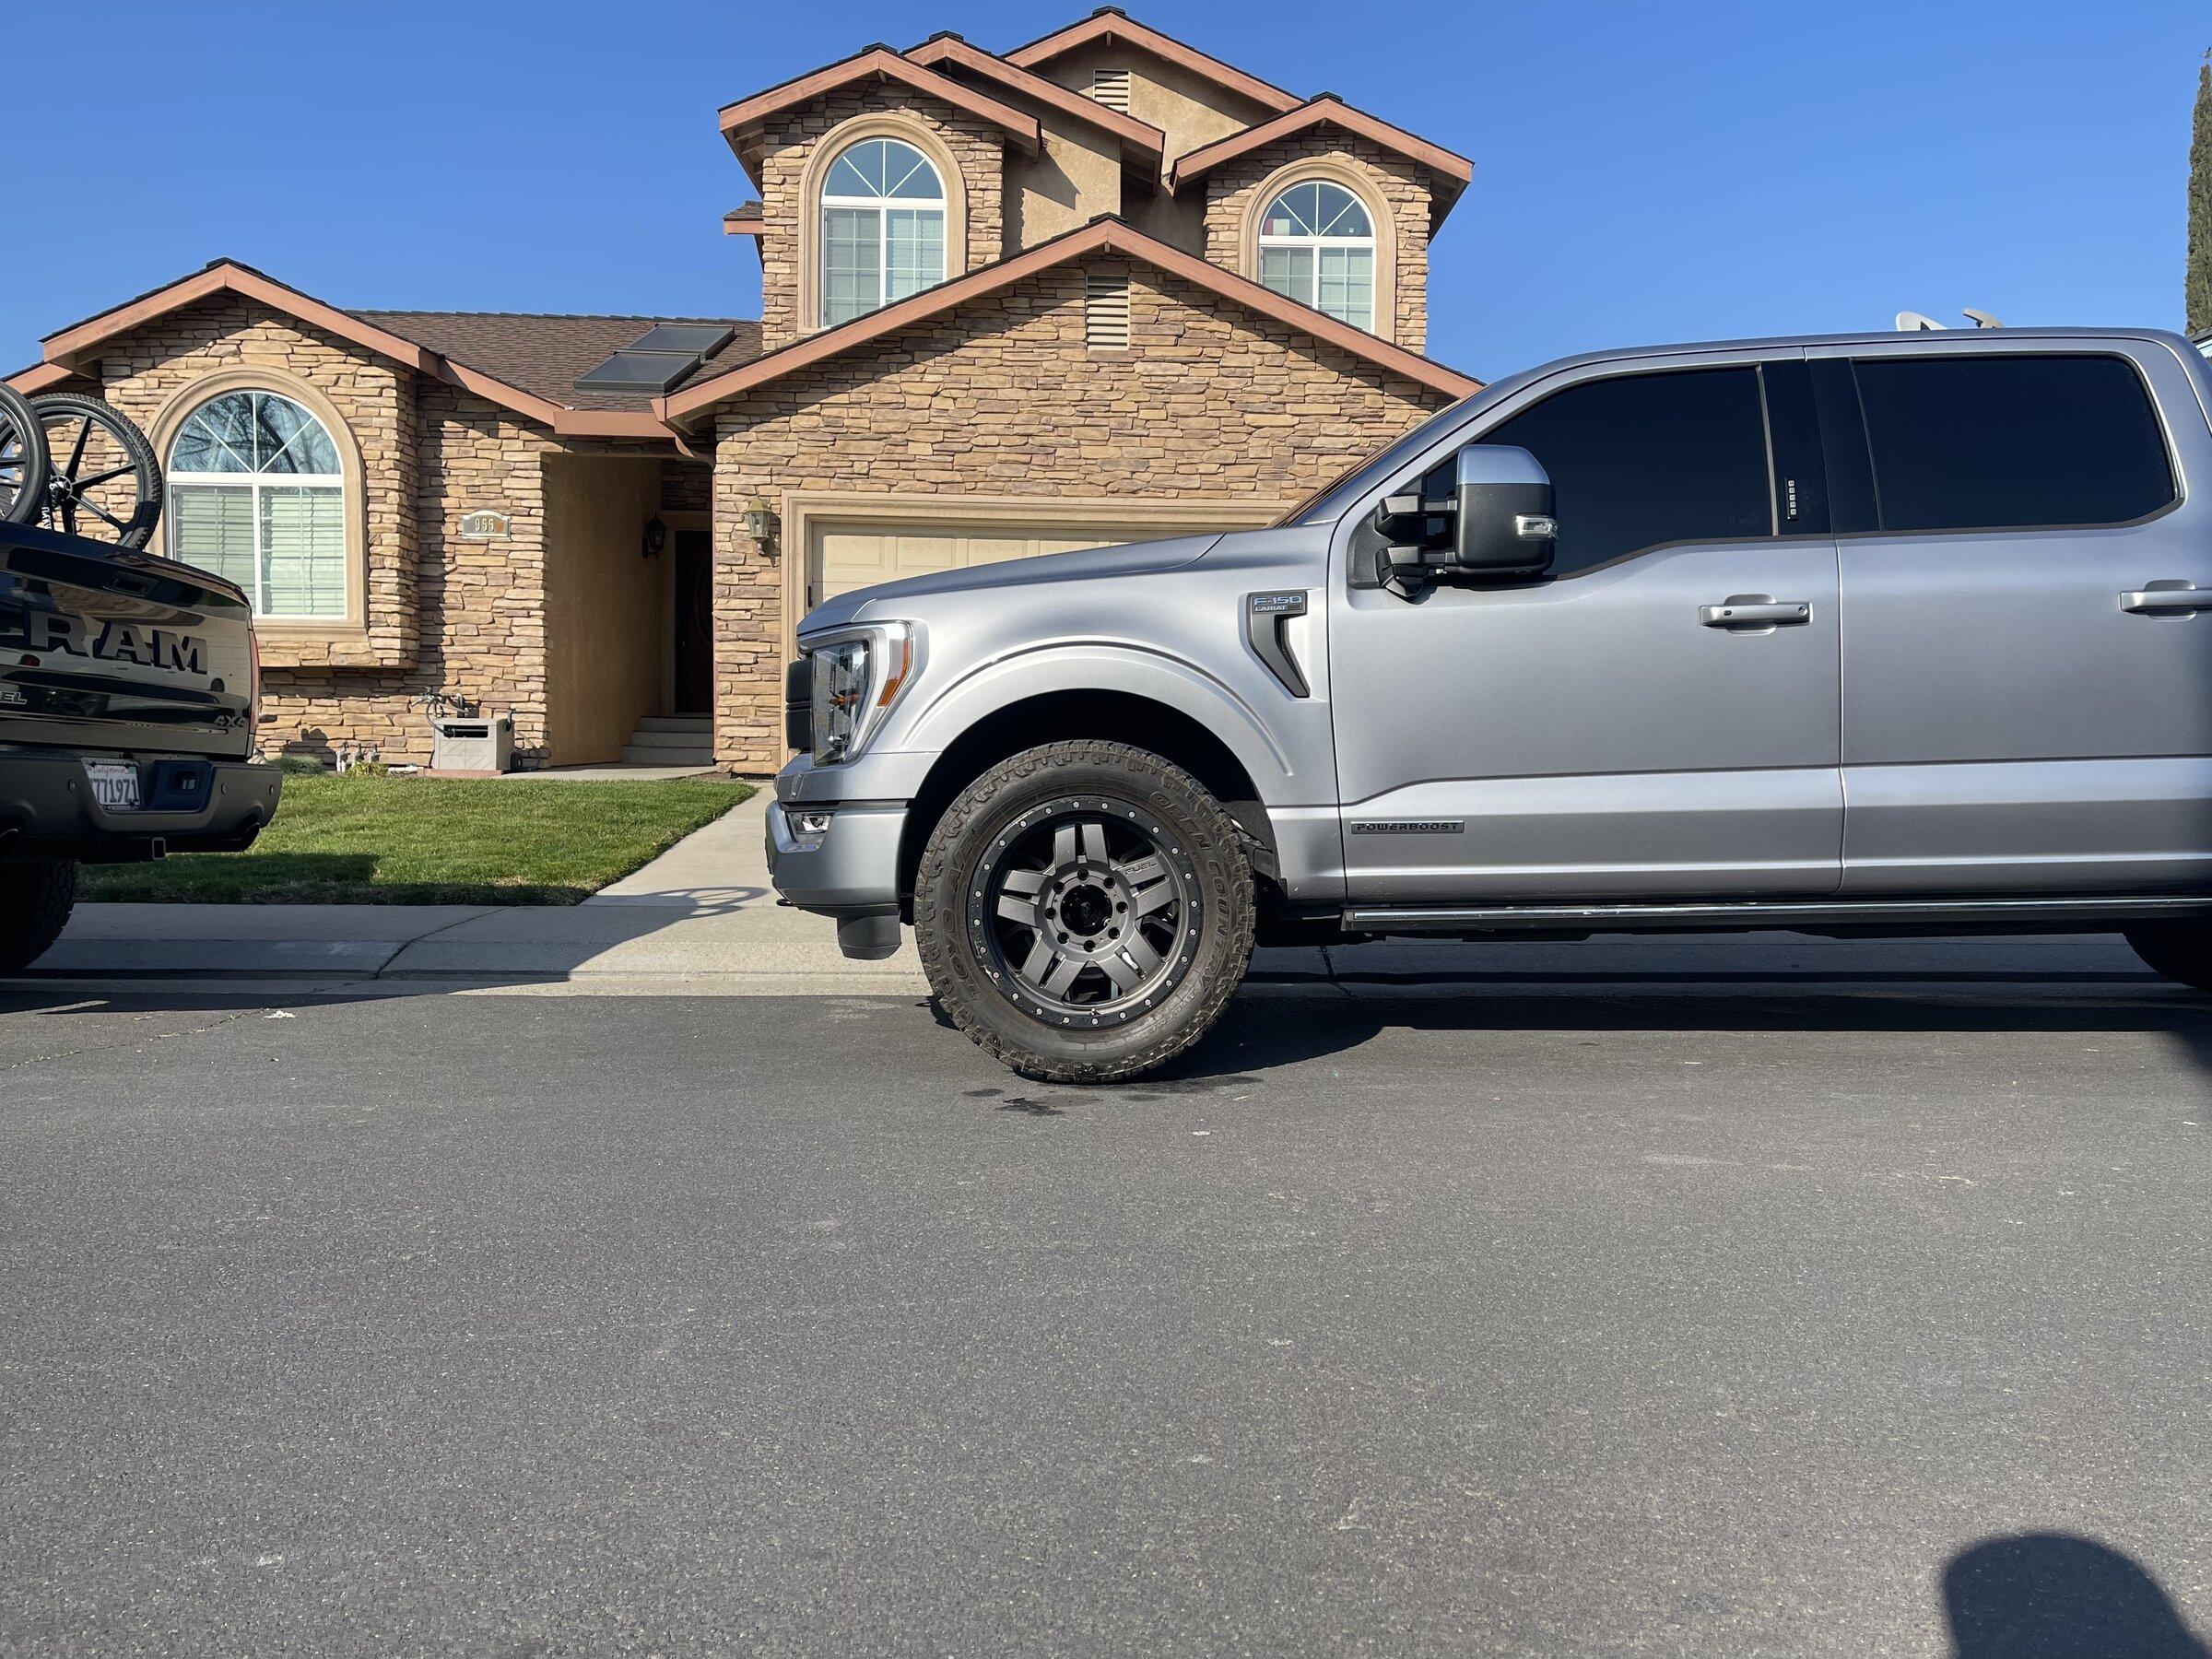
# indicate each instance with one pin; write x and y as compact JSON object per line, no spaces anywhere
{"x":129,"y":687}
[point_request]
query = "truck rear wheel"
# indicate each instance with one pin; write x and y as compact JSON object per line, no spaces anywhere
{"x":35,"y":901}
{"x":1084,"y":911}
{"x":2179,"y":953}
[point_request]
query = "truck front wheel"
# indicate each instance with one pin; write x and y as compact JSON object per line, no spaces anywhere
{"x":1084,"y":911}
{"x":35,"y":901}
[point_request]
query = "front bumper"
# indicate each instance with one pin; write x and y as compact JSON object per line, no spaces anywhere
{"x":849,"y":868}
{"x":47,"y":809}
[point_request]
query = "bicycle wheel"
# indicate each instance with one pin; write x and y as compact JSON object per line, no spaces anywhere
{"x":23,"y":459}
{"x":103,"y":480}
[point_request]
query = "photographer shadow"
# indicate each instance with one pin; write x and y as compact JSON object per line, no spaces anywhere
{"x":2055,"y":1595}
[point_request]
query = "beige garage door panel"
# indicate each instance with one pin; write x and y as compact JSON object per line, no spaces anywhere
{"x":848,"y":555}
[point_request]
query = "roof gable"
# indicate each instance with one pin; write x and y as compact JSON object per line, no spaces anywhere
{"x":1110,"y":23}
{"x":1101,"y":235}
{"x":1327,"y":110}
{"x":527,"y":354}
{"x":878,"y":62}
{"x":1139,"y":139}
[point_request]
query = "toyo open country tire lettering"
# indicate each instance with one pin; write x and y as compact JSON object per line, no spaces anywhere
{"x":23,"y":460}
{"x":1084,"y":912}
{"x":102,"y":478}
{"x":2179,"y":953}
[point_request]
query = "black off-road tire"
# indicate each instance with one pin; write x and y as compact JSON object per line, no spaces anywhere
{"x":65,"y":415}
{"x":23,"y":485}
{"x":956,"y":854}
{"x":2179,"y":953}
{"x":35,"y":901}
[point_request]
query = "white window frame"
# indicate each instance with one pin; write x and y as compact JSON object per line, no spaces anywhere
{"x":882,"y":207}
{"x":260,"y":482}
{"x":1313,"y":296}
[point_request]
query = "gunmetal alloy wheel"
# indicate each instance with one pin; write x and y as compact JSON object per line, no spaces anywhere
{"x":1087,"y":912}
{"x":1084,"y":911}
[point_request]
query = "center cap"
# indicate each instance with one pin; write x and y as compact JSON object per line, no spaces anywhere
{"x":1086,"y":909}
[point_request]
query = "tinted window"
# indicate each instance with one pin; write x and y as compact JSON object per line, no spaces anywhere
{"x":1994,"y":442}
{"x":1650,"y":458}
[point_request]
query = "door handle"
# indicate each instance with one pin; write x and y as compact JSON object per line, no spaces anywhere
{"x":2178,"y":600}
{"x":1748,"y":611}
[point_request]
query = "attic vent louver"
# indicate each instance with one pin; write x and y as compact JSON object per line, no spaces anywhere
{"x":657,"y":360}
{"x":1106,"y":311}
{"x":1110,"y":88}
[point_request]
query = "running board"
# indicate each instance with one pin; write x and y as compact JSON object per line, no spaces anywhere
{"x":1796,"y":914}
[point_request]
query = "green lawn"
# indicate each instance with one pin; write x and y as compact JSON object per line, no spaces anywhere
{"x":368,"y":838}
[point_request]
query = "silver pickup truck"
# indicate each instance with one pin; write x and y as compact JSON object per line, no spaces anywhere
{"x":1861,"y":635}
{"x":128,"y":686}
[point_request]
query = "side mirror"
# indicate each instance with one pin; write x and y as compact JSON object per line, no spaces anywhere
{"x":1503,"y":524}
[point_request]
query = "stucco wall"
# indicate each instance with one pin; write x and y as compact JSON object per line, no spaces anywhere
{"x":1002,"y":398}
{"x":604,"y":606}
{"x":1190,"y":110}
{"x":1233,"y":193}
{"x":1076,"y":176}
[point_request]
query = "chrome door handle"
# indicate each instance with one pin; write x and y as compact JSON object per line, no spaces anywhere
{"x":1754,"y":610}
{"x":2178,"y":600}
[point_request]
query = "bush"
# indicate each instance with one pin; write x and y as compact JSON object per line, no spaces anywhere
{"x":300,"y":766}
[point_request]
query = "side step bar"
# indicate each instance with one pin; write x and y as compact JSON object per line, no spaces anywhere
{"x":1819,"y":915}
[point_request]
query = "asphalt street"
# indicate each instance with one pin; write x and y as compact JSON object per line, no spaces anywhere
{"x":1857,"y":1314}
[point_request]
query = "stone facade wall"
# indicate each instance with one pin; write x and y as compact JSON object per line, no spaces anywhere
{"x":1232,"y":192}
{"x":686,"y":486}
{"x":467,"y":619}
{"x":481,"y":604}
{"x":789,"y":144}
{"x":145,"y":373}
{"x":1000,"y":397}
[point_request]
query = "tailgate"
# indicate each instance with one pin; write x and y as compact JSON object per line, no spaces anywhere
{"x":102,"y":647}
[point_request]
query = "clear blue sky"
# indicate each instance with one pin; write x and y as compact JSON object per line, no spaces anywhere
{"x":1643,"y":172}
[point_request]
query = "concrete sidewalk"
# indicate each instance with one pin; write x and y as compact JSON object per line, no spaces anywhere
{"x":702,"y":911}
{"x":702,"y":920}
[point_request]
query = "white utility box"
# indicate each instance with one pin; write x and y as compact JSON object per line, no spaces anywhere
{"x":474,"y":743}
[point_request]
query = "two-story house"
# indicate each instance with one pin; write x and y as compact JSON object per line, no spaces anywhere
{"x":1099,"y":287}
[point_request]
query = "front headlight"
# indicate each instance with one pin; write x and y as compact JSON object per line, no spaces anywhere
{"x":858,"y":674}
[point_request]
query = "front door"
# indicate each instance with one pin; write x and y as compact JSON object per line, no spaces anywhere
{"x":694,"y":578}
{"x":2027,"y":619}
{"x":1610,"y":731}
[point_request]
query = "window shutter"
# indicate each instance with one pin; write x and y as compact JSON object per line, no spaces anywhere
{"x":1106,"y":311}
{"x":1110,"y":88}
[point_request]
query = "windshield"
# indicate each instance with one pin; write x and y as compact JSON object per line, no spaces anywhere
{"x":1327,"y":502}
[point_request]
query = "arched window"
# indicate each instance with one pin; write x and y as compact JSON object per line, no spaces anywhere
{"x":1317,"y":245}
{"x":883,"y":228}
{"x":257,"y":496}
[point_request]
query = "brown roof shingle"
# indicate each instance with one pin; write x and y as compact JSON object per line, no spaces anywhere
{"x":543,"y":353}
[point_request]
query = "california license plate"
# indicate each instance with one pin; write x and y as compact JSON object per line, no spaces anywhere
{"x":114,"y":784}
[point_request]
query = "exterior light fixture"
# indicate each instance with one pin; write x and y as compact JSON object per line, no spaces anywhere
{"x":759,"y":520}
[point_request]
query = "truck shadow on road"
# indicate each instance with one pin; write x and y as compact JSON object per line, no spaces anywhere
{"x":2059,"y":1596}
{"x":1265,"y":1029}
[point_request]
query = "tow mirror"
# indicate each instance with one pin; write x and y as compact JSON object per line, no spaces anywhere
{"x":1502,"y":509}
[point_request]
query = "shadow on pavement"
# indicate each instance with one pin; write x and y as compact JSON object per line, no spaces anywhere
{"x":1259,"y":1032}
{"x":2058,"y":1597}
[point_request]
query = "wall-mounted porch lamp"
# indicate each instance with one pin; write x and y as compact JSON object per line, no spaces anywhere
{"x":760,"y":520}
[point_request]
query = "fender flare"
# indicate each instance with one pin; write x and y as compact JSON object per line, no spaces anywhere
{"x":1106,"y":665}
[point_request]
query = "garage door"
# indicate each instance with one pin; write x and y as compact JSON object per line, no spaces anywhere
{"x":848,"y":554}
